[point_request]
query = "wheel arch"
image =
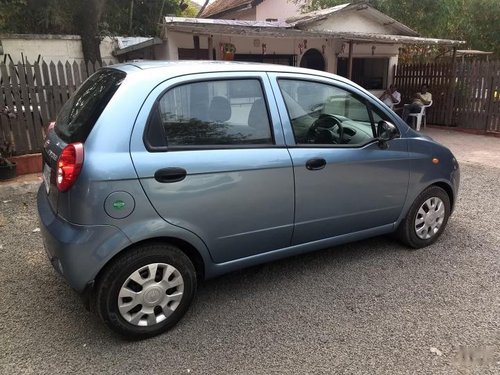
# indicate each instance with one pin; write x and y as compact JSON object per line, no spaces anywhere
{"x":192,"y":253}
{"x":415,"y":193}
{"x":448,"y":189}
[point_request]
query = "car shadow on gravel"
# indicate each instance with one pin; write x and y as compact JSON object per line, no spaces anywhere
{"x":335,"y":271}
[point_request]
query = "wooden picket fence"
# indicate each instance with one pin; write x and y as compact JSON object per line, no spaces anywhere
{"x":31,"y":96}
{"x":465,"y":94}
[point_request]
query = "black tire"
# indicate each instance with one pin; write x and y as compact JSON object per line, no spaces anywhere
{"x":106,"y":295}
{"x":407,"y":230}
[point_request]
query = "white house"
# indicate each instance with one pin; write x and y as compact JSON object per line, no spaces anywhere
{"x":354,"y":40}
{"x":253,"y":10}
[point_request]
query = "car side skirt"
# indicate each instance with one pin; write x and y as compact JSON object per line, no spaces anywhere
{"x":217,"y":269}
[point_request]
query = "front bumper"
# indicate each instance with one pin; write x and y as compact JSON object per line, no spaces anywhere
{"x":77,"y":252}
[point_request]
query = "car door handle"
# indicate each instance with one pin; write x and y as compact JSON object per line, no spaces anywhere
{"x":174,"y":174}
{"x":315,"y":164}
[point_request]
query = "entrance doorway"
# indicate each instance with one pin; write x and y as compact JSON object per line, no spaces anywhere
{"x":313,"y":59}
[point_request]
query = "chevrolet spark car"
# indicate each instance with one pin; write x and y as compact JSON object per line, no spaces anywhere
{"x":160,"y":174}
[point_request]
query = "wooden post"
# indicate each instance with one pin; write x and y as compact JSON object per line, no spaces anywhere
{"x":349,"y":64}
{"x":196,"y":42}
{"x":451,"y":93}
{"x":210,"y":47}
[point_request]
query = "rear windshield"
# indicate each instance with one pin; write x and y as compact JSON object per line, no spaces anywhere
{"x":79,"y":114}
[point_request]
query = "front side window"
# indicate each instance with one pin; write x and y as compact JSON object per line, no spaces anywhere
{"x":215,"y":113}
{"x":328,"y":115}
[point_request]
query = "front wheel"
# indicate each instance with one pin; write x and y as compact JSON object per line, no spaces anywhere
{"x":146,"y":291}
{"x":426,"y":219}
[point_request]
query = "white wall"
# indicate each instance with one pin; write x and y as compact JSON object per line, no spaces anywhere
{"x":107,"y":47}
{"x":351,"y":22}
{"x":246,"y":14}
{"x":279,"y":9}
{"x":50,"y":48}
{"x":174,"y":40}
{"x":253,"y":45}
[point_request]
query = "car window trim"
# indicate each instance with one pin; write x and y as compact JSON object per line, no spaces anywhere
{"x":167,"y":148}
{"x":347,"y":86}
{"x":332,"y":146}
{"x":355,"y":95}
{"x":370,"y":115}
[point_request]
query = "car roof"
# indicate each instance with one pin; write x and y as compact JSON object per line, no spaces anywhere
{"x":182,"y":67}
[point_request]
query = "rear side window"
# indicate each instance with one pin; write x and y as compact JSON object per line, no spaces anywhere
{"x":79,"y":114}
{"x":213,"y":114}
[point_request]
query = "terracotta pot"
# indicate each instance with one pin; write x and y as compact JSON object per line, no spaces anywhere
{"x":30,"y":163}
{"x":228,"y":56}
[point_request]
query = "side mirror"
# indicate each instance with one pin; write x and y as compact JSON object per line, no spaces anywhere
{"x":385,"y":132}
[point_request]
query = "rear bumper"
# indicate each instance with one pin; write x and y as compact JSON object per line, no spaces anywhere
{"x":77,"y":252}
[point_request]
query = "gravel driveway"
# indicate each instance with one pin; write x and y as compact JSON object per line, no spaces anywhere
{"x":371,"y":307}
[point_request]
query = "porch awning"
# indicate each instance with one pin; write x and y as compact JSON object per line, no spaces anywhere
{"x":280,"y":29}
{"x":137,"y":46}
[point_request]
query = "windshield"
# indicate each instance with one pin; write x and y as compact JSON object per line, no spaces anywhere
{"x":79,"y":114}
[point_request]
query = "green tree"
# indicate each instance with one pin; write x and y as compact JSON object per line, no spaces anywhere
{"x":146,"y":16}
{"x":91,"y":19}
{"x":37,"y":16}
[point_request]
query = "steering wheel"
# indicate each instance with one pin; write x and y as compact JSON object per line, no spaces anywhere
{"x":321,"y":130}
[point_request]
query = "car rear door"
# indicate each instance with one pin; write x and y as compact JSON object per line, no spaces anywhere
{"x":209,"y":152}
{"x":342,"y":186}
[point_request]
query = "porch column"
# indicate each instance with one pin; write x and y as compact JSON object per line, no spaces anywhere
{"x":210,"y":47}
{"x":349,"y":64}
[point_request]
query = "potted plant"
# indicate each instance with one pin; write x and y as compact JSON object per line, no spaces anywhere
{"x":7,"y":168}
{"x":228,"y":51}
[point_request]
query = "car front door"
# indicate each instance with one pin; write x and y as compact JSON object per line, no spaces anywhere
{"x":209,"y":152}
{"x":345,"y":182}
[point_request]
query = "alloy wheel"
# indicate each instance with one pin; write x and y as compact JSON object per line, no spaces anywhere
{"x":430,"y":217}
{"x":150,"y":294}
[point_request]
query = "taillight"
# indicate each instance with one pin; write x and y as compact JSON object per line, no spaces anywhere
{"x":69,"y":165}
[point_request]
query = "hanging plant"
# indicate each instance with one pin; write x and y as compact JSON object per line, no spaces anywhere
{"x":229,"y":48}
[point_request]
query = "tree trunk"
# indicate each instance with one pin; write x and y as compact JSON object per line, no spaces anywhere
{"x":88,"y":21}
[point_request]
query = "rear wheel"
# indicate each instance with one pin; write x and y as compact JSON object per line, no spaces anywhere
{"x":426,"y":219}
{"x":146,"y":291}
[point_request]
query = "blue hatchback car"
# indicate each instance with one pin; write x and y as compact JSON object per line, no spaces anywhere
{"x":160,"y":174}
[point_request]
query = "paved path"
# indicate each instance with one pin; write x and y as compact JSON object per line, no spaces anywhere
{"x":469,"y":148}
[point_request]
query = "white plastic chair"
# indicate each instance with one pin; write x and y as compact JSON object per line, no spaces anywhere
{"x":419,"y":116}
{"x":392,"y":105}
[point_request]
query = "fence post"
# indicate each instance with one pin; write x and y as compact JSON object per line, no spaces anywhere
{"x":451,"y":93}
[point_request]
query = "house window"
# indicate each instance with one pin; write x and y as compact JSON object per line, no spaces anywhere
{"x":368,"y":72}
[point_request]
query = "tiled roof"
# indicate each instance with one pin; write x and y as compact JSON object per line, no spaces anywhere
{"x":283,"y":29}
{"x":221,"y":6}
